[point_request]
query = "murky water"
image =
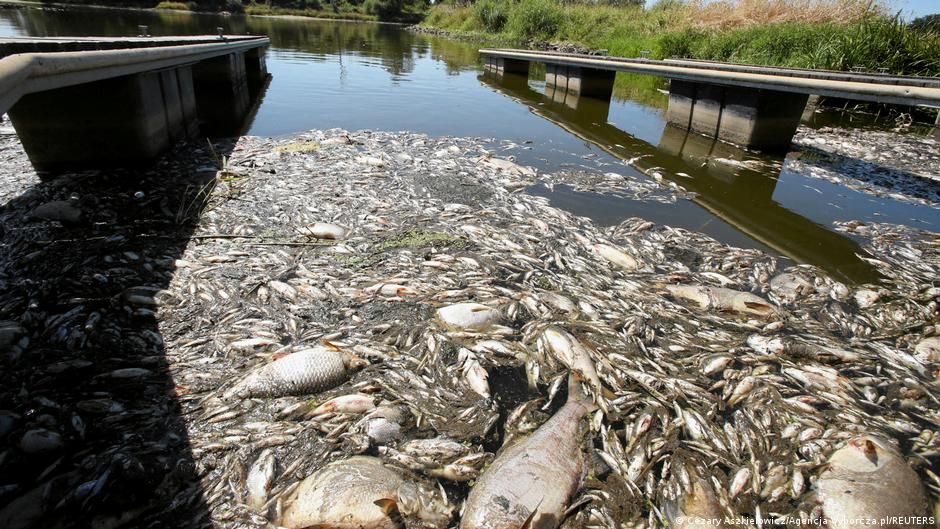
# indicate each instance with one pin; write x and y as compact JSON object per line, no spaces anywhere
{"x":371,"y":76}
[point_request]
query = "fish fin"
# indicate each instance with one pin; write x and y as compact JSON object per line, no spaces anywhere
{"x":388,"y":505}
{"x":330,"y":345}
{"x":480,"y":309}
{"x":527,"y":524}
{"x":576,"y":393}
{"x":763,"y":307}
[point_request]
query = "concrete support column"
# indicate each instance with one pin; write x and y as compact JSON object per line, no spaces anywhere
{"x":587,"y":82}
{"x":752,"y":118}
{"x":502,"y":66}
{"x":118,"y":121}
{"x":256,"y":69}
{"x":222,"y":94}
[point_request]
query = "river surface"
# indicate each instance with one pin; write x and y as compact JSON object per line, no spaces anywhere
{"x":328,"y":74}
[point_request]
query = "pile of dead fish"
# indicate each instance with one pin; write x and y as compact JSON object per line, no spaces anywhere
{"x":379,"y":330}
{"x":903,"y":167}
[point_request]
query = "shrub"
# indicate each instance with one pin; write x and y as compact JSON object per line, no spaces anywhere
{"x":383,"y":9}
{"x":535,"y":19}
{"x":492,"y":14}
{"x":180,"y":6}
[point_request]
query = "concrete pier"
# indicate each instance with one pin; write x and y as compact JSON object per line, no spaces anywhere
{"x":754,"y":118}
{"x":129,"y":102}
{"x":222,"y":93}
{"x":502,"y":66}
{"x":587,"y":82}
{"x":751,"y":106}
{"x":256,"y":69}
{"x":111,"y":122}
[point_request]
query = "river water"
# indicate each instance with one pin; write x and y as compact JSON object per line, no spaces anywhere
{"x":354,"y":76}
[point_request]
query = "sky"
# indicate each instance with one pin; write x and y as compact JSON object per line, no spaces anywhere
{"x":918,"y":7}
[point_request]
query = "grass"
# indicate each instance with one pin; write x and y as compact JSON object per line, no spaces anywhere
{"x":832,"y":34}
{"x":406,"y":12}
{"x":179,"y":6}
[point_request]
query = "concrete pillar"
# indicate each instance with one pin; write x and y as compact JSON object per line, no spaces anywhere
{"x":752,"y":118}
{"x":184,"y":78}
{"x":256,"y":69}
{"x":120,"y":121}
{"x":515,"y":66}
{"x":222,"y":94}
{"x":587,"y":82}
{"x":809,"y":111}
{"x":501,"y":66}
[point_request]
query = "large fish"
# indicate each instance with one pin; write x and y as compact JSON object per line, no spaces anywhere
{"x":695,"y":507}
{"x":867,"y":479}
{"x":308,"y":371}
{"x":361,"y":493}
{"x":532,"y":482}
{"x":723,"y":299}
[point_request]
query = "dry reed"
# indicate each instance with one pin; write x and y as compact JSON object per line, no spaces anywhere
{"x":725,"y":14}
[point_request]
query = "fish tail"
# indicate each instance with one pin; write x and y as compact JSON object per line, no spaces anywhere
{"x":576,"y":393}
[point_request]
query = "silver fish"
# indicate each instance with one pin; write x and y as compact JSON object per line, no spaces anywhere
{"x":308,"y":371}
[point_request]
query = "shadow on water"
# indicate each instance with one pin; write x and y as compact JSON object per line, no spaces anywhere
{"x":717,"y":172}
{"x":91,"y":428}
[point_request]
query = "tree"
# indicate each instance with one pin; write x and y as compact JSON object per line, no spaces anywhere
{"x":927,"y":23}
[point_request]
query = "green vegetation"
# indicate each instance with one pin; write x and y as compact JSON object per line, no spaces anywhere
{"x":386,"y":10}
{"x":181,"y":6}
{"x":410,"y":11}
{"x":832,"y":34}
{"x":416,"y":239}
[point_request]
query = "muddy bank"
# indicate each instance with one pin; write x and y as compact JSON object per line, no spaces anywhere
{"x":141,"y":308}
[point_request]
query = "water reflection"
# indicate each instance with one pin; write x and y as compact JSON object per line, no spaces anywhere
{"x":717,"y":172}
{"x":370,"y":76}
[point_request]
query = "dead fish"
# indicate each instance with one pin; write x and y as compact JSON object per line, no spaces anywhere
{"x":259,"y":480}
{"x":506,"y":166}
{"x":355,"y":403}
{"x":325,"y":230}
{"x":696,"y":507}
{"x":389,"y":289}
{"x":868,"y":479}
{"x":723,"y":299}
{"x":308,"y":371}
{"x":572,"y":353}
{"x":381,"y":425}
{"x":473,"y":373}
{"x":928,"y":349}
{"x":467,"y":316}
{"x":360,"y":492}
{"x":531,"y":483}
{"x":617,"y":257}
{"x":790,"y":287}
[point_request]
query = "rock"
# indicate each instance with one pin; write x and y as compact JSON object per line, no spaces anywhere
{"x":10,"y":333}
{"x":58,"y":210}
{"x":40,"y":440}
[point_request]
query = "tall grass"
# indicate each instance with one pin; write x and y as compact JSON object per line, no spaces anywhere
{"x":832,"y":34}
{"x":741,"y":13}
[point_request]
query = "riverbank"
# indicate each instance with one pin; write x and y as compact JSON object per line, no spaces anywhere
{"x":342,"y":13}
{"x":163,"y":288}
{"x":840,"y":38}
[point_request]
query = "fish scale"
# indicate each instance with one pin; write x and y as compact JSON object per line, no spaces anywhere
{"x":307,"y":371}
